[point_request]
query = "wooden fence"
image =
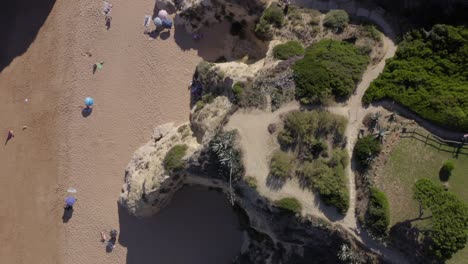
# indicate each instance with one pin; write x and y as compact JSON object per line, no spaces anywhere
{"x":454,"y":147}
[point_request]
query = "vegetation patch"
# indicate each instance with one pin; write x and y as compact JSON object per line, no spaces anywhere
{"x":289,"y":204}
{"x":251,"y":182}
{"x":316,"y":139}
{"x":446,"y":170}
{"x":227,"y":155}
{"x":365,"y":151}
{"x":449,"y":221}
{"x":329,"y":69}
{"x":378,"y":212}
{"x":429,"y":76}
{"x":173,"y":160}
{"x":281,"y":165}
{"x":288,"y":50}
{"x":336,"y":19}
{"x":272,"y":16}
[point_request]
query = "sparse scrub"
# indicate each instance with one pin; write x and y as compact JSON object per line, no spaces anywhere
{"x":173,"y":160}
{"x":288,"y":50}
{"x":227,"y":154}
{"x":290,"y":204}
{"x":281,"y":165}
{"x":238,"y":91}
{"x":273,"y":15}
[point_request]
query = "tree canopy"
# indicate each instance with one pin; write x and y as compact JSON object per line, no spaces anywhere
{"x":449,"y":229}
{"x":429,"y":75}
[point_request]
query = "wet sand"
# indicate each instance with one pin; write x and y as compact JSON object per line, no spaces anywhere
{"x":143,"y":84}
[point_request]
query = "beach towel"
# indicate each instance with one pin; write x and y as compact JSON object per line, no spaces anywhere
{"x":147,"y":21}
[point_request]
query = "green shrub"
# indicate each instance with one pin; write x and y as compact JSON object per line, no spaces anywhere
{"x":288,"y":50}
{"x":429,"y":76}
{"x":336,"y":19}
{"x":289,"y":204}
{"x":371,"y":31}
{"x":251,"y":182}
{"x":173,"y":160}
{"x":281,"y":165}
{"x":329,"y":182}
{"x":378,"y":212}
{"x":449,"y":222}
{"x":446,"y":170}
{"x":263,"y":30}
{"x":365,"y":150}
{"x":329,"y":68}
{"x":273,"y":15}
{"x":238,"y":90}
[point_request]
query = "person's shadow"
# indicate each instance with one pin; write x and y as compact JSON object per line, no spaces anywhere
{"x":86,"y":111}
{"x":67,"y":215}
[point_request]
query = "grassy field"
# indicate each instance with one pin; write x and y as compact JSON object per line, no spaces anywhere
{"x":411,"y":160}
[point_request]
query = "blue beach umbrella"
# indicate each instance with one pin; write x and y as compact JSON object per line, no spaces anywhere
{"x":89,"y":101}
{"x":167,"y":23}
{"x":70,"y":200}
{"x":157,"y":21}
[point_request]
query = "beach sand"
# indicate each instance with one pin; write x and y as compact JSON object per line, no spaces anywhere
{"x":143,"y":84}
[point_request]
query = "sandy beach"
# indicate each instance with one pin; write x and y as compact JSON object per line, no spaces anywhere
{"x":143,"y":84}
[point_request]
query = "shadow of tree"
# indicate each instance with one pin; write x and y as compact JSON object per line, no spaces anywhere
{"x":275,"y":183}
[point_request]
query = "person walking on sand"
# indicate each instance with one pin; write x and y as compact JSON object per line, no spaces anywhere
{"x":10,"y":135}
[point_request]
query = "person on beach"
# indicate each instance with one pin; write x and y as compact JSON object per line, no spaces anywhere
{"x":10,"y":135}
{"x":103,"y":237}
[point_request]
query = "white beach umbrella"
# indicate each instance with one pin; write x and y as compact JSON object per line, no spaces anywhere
{"x":163,"y":14}
{"x":71,"y":190}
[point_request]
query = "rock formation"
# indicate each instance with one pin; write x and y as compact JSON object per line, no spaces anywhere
{"x":148,"y":187}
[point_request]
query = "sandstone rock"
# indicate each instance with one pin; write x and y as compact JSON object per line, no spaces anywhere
{"x":148,"y":187}
{"x":208,"y":120}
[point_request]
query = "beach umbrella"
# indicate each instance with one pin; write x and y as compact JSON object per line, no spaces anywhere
{"x":157,"y":21}
{"x":70,"y":200}
{"x":163,"y":14}
{"x":89,"y":101}
{"x":167,"y":23}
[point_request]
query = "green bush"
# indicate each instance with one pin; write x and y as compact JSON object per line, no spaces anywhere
{"x":329,"y":182}
{"x":227,"y":155}
{"x":289,"y":204}
{"x":273,"y":15}
{"x":238,"y":90}
{"x":251,"y":182}
{"x":378,"y":212}
{"x":336,"y":19}
{"x":263,"y":30}
{"x":429,"y":76}
{"x":365,"y":150}
{"x":329,"y":68}
{"x":173,"y":160}
{"x":288,"y":50}
{"x":281,"y":165}
{"x":449,"y":222}
{"x":446,"y":170}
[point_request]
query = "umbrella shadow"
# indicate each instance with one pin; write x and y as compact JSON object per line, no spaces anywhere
{"x":165,"y":35}
{"x":153,"y":34}
{"x":86,"y":111}
{"x":67,"y":215}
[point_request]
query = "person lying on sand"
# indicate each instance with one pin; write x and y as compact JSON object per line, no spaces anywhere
{"x":103,"y":237}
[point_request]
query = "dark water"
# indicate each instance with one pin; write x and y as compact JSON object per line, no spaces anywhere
{"x":199,"y":226}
